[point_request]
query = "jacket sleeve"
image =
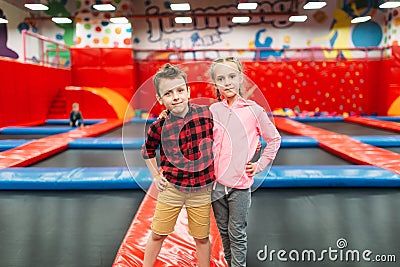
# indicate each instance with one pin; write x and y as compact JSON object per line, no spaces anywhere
{"x":271,"y":135}
{"x":152,"y":141}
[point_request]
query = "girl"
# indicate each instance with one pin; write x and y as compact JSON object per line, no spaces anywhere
{"x":238,"y":125}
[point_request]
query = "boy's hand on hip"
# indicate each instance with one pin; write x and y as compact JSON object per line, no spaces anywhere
{"x":161,"y":183}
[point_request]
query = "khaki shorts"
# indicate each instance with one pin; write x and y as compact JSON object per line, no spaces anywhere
{"x":169,"y":205}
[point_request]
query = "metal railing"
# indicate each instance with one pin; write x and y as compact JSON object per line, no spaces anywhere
{"x":265,"y":54}
{"x":44,"y":51}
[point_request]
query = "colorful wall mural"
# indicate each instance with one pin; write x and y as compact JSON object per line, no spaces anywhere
{"x":328,"y":28}
{"x":93,"y":29}
{"x":152,"y":27}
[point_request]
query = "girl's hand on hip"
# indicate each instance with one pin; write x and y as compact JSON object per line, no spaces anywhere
{"x":251,"y":169}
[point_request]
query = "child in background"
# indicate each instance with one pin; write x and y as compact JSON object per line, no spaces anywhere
{"x":75,"y":116}
{"x":238,"y":125}
{"x":185,"y":137}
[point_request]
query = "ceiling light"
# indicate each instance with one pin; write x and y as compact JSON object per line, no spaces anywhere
{"x":180,"y":7}
{"x":119,"y":20}
{"x":3,"y":20}
{"x":183,"y":20}
{"x":390,"y":4}
{"x":61,"y":20}
{"x":360,"y":19}
{"x":240,"y":19}
{"x":36,"y":6}
{"x":314,"y":5}
{"x":104,"y":7}
{"x":247,"y":6}
{"x":301,"y":18}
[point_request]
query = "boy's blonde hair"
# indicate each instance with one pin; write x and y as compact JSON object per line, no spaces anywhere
{"x":75,"y":105}
{"x":168,"y":71}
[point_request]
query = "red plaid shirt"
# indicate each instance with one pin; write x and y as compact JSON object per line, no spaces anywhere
{"x":186,"y":156}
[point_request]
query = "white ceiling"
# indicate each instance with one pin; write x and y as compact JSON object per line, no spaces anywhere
{"x":72,"y":5}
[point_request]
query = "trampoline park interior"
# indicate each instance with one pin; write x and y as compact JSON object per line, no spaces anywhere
{"x":77,"y":196}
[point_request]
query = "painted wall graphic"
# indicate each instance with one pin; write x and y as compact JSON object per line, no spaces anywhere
{"x":160,"y":26}
{"x":57,"y":8}
{"x":267,"y":43}
{"x":344,"y":34}
{"x":153,"y":28}
{"x":392,"y":24}
{"x":4,"y":50}
{"x":159,"y":31}
{"x":329,"y":27}
{"x":93,"y":29}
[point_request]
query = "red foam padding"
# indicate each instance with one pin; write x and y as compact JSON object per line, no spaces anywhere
{"x":178,"y":248}
{"x":387,"y":125}
{"x":42,"y":148}
{"x":117,"y":56}
{"x":103,"y":67}
{"x":343,"y":146}
{"x":86,"y":57}
{"x":28,"y":98}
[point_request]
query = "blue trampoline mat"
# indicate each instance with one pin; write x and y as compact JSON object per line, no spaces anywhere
{"x":66,"y":121}
{"x":385,"y":118}
{"x":139,"y":120}
{"x":318,"y":119}
{"x":136,"y":143}
{"x":287,"y":141}
{"x":341,"y":118}
{"x":34,"y":130}
{"x":106,"y":178}
{"x":8,"y":144}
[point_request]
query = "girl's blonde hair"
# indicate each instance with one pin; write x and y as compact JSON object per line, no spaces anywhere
{"x":220,"y":60}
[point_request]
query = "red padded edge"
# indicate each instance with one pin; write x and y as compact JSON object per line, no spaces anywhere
{"x":343,"y":145}
{"x":387,"y":125}
{"x":42,"y":148}
{"x":178,"y":248}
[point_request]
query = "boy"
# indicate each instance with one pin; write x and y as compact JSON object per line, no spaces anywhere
{"x":75,"y":117}
{"x":185,"y":138}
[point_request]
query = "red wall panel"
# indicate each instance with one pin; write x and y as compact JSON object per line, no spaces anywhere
{"x":27,"y":90}
{"x":85,"y":57}
{"x":345,"y":86}
{"x":337,"y":86}
{"x":102,"y":67}
{"x":120,"y":76}
{"x":115,"y":57}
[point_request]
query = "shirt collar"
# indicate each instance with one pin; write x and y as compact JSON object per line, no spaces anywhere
{"x":173,"y":117}
{"x":239,"y":102}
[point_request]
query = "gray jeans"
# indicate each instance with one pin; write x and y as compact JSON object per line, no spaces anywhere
{"x":230,"y":208}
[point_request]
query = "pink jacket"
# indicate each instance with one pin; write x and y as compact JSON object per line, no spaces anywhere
{"x":237,"y":129}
